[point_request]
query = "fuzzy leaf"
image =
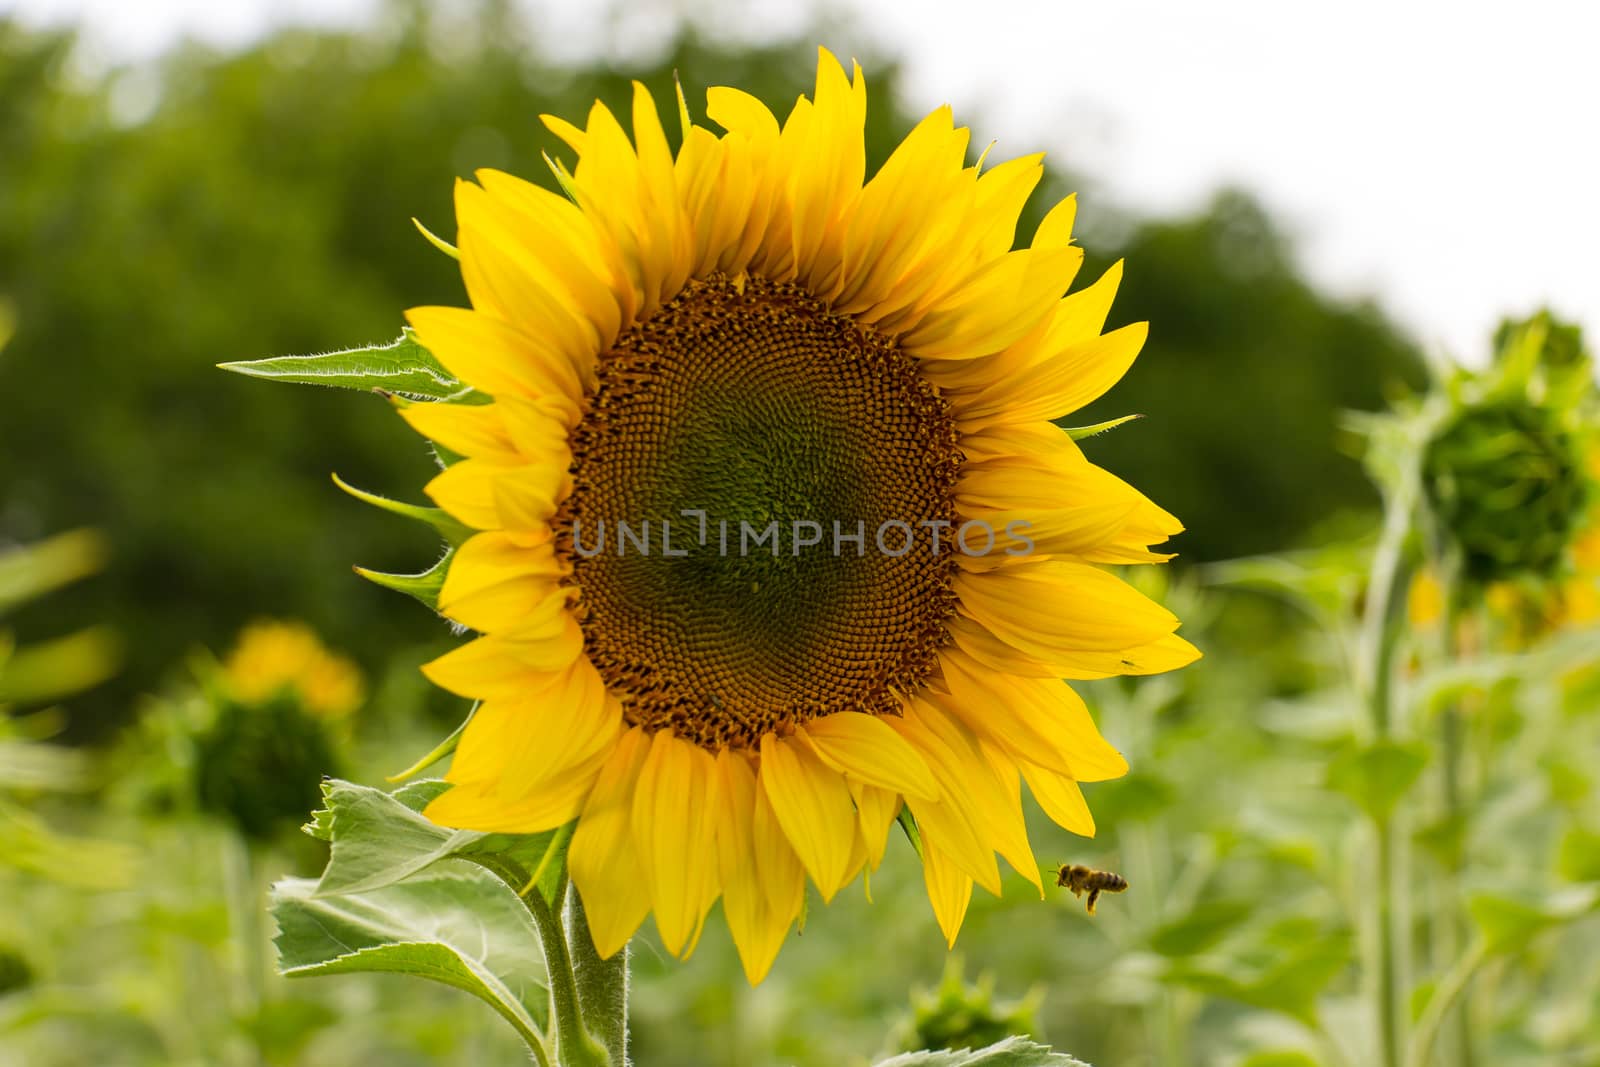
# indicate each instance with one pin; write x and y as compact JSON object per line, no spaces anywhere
{"x":1376,"y":776}
{"x":380,"y":840}
{"x":1509,"y":923}
{"x":1208,"y":923}
{"x":456,"y":924}
{"x":402,"y":366}
{"x":1012,"y":1052}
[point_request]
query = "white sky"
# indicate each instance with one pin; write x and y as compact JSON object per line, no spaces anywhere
{"x":1429,"y":153}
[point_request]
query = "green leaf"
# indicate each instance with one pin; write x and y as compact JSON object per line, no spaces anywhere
{"x":402,"y":366}
{"x":456,"y":924}
{"x":34,"y":570}
{"x":1509,"y":923}
{"x":1294,"y":962}
{"x":1377,"y":775}
{"x":1208,"y":923}
{"x":50,"y":670}
{"x":1278,"y":1058}
{"x":379,"y":840}
{"x":1012,"y":1052}
{"x":1578,"y":856}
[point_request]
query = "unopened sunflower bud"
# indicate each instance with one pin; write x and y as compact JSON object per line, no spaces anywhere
{"x":261,"y":765}
{"x":1505,"y":481}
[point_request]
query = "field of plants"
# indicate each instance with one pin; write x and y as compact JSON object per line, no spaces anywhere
{"x":1362,"y":831}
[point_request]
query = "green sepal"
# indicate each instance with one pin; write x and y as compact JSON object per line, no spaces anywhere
{"x":435,"y":240}
{"x":1078,"y":433}
{"x":451,"y":529}
{"x":402,"y":366}
{"x":908,"y":824}
{"x":423,"y":587}
{"x":563,"y":176}
{"x":438,"y":752}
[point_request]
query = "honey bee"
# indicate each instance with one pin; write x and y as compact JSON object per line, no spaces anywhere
{"x":1079,"y":878}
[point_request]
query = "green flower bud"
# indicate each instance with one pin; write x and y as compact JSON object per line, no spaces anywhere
{"x":1557,"y":346}
{"x":1506,"y":484}
{"x":959,"y":1015}
{"x":261,"y":765}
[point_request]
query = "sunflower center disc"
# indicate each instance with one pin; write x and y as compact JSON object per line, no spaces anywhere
{"x":774,"y":423}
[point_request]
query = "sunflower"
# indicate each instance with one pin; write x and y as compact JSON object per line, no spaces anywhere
{"x":274,"y":656}
{"x":850,"y":560}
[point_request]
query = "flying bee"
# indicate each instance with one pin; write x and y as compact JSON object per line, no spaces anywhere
{"x":1079,"y":878}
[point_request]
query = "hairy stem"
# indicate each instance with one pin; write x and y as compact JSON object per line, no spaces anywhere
{"x":602,"y":984}
{"x":575,"y":1046}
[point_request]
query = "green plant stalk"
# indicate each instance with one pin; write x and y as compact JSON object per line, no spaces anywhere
{"x":1450,"y":988}
{"x":1450,"y":751}
{"x":245,"y":910}
{"x":575,"y":1046}
{"x":602,"y":984}
{"x":1378,"y":643}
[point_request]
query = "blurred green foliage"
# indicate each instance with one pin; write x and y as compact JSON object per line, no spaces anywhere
{"x":159,"y":219}
{"x":214,"y":207}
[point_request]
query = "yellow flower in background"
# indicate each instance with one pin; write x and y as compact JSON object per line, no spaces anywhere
{"x":272,"y":656}
{"x":1425,"y":600}
{"x":743,"y":336}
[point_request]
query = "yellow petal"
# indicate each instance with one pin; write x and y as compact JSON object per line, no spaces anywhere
{"x":949,"y":891}
{"x":495,"y":357}
{"x":995,"y":654}
{"x":478,"y":807}
{"x":1045,"y":607}
{"x":953,"y":822}
{"x":1060,"y":798}
{"x":1010,"y":835}
{"x":1036,"y":719}
{"x":563,"y":244}
{"x":491,"y":496}
{"x":758,"y":930}
{"x":865,"y":747}
{"x":603,"y":859}
{"x":468,"y":429}
{"x":1000,"y":304}
{"x":813,"y":806}
{"x":876,"y":810}
{"x":674,"y":831}
{"x":499,"y":668}
{"x":494,"y":584}
{"x":782,"y":875}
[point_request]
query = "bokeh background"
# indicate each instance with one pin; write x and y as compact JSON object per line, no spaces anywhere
{"x":169,"y":202}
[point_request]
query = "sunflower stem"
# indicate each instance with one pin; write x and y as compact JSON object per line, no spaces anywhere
{"x":602,"y":984}
{"x":1379,"y":640}
{"x":1445,"y":995}
{"x":575,"y":1045}
{"x":1450,"y":745}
